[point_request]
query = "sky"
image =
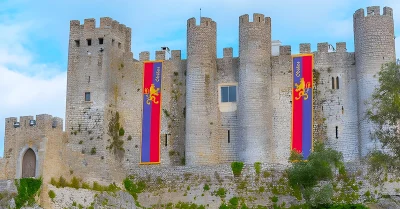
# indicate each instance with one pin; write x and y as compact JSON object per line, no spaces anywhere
{"x":34,"y":37}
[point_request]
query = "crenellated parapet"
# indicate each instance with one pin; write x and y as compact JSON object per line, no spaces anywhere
{"x":120,"y":34}
{"x":43,"y":122}
{"x":305,"y":48}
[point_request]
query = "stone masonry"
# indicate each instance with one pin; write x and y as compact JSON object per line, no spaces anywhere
{"x":197,"y":128}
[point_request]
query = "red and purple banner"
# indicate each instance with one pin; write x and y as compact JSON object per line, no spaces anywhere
{"x":302,"y":97}
{"x":151,"y":120}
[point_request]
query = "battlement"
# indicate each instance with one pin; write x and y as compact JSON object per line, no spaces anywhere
{"x":257,"y":19}
{"x":285,"y":50}
{"x":43,"y":121}
{"x":228,"y":52}
{"x":341,"y":47}
{"x":105,"y":23}
{"x":176,"y":55}
{"x":144,"y":56}
{"x":323,"y":47}
{"x":373,"y":11}
{"x":204,"y":22}
{"x":305,"y":48}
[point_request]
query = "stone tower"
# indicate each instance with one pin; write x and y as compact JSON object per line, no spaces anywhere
{"x":254,"y":74}
{"x":201,"y":97}
{"x":374,"y":46}
{"x":91,"y":56}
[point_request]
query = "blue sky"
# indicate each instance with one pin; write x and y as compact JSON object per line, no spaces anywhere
{"x":34,"y":37}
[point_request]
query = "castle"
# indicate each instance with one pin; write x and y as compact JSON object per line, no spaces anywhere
{"x":214,"y":110}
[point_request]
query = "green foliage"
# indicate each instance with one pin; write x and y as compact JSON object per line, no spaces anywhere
{"x":184,"y":205}
{"x":206,"y":187}
{"x":114,"y":131}
{"x":384,"y":111}
{"x":237,"y":168}
{"x":75,"y":183}
{"x":93,"y":151}
{"x":257,"y":167}
{"x":295,"y":156}
{"x":80,"y":142}
{"x":85,"y":185}
{"x":221,"y":192}
{"x":121,"y":131}
{"x":129,"y":137}
{"x":305,"y":175}
{"x":274,"y":199}
{"x":134,"y":188}
{"x":176,"y":73}
{"x":27,"y":189}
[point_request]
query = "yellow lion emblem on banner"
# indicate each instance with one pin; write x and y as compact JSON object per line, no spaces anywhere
{"x":151,"y":95}
{"x":301,"y":88}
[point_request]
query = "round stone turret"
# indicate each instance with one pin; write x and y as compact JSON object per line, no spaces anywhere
{"x":254,"y":81}
{"x":374,"y":46}
{"x":201,"y":96}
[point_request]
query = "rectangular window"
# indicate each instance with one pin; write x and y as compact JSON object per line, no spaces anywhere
{"x":228,"y":94}
{"x":101,"y":40}
{"x":87,"y":96}
{"x":77,"y":43}
{"x":229,"y":136}
{"x":89,"y":42}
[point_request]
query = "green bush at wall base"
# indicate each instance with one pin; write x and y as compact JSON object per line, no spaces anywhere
{"x":27,"y":189}
{"x":237,"y":168}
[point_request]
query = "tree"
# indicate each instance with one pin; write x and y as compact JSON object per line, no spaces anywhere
{"x":384,"y":111}
{"x":313,"y":177}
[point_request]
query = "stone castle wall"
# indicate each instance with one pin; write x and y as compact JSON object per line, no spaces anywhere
{"x":196,"y":128}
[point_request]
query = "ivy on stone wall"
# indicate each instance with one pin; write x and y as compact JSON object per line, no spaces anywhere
{"x":114,"y":131}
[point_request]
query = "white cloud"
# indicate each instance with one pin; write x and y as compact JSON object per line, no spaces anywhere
{"x":26,"y":87}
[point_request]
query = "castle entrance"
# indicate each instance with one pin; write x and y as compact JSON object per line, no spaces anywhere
{"x":29,"y":164}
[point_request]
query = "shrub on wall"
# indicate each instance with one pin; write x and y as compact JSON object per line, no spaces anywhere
{"x":27,"y":189}
{"x":52,"y":195}
{"x":257,"y":167}
{"x":237,"y":168}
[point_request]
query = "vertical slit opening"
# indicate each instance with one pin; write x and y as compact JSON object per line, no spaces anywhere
{"x":229,"y":136}
{"x":337,"y":132}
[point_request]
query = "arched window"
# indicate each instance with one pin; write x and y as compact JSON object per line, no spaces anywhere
{"x":337,"y":82}
{"x":333,"y":83}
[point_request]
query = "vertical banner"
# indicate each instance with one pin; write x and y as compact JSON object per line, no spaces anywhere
{"x":302,"y":104}
{"x":151,"y":118}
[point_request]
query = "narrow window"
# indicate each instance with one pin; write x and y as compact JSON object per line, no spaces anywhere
{"x":119,"y":45}
{"x":77,"y":43}
{"x":337,"y":82}
{"x":322,"y":107}
{"x":89,"y":42}
{"x":89,"y":80}
{"x":342,"y":110}
{"x":101,"y":40}
{"x":232,"y":94}
{"x":333,"y":83}
{"x":166,"y":139}
{"x":87,"y":96}
{"x":259,"y":19}
{"x":337,"y":133}
{"x":112,"y":42}
{"x":229,"y":136}
{"x":225,"y":94}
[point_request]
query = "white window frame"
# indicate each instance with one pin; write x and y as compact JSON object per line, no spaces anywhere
{"x":227,"y":106}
